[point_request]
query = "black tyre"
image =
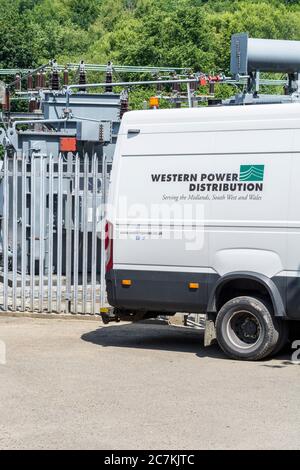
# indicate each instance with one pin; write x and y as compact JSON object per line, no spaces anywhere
{"x":246,"y":329}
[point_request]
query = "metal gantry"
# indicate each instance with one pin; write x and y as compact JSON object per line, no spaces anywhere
{"x":97,"y":68}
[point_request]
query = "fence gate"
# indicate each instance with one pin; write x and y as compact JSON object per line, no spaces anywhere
{"x":52,"y":233}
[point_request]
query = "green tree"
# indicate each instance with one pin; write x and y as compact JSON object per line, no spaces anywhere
{"x":20,"y":39}
{"x":184,"y":33}
{"x":83,"y":12}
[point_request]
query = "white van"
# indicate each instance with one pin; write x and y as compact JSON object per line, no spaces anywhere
{"x":204,"y":217}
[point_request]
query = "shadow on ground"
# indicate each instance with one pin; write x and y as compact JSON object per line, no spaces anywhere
{"x":164,"y":338}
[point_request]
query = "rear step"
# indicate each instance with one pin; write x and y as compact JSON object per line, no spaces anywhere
{"x":109,"y":315}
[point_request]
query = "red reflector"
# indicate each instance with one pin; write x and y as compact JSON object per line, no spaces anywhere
{"x":109,"y":246}
{"x":68,"y":144}
{"x":106,"y":236}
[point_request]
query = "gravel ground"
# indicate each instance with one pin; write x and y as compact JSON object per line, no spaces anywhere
{"x":76,"y":384}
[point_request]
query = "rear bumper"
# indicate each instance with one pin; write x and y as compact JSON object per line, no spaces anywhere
{"x":159,"y":291}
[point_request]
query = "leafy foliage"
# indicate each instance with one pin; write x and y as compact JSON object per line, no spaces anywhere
{"x":189,"y":33}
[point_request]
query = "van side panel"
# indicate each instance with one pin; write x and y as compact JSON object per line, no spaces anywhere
{"x":191,"y":207}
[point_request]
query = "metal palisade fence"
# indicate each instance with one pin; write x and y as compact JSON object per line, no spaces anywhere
{"x":52,"y":212}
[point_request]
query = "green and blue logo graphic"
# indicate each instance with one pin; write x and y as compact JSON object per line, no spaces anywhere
{"x":252,"y":172}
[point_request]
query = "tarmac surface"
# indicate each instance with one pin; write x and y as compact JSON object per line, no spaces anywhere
{"x":70,"y":384}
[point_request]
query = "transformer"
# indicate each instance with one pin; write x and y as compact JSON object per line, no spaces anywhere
{"x":263,"y":55}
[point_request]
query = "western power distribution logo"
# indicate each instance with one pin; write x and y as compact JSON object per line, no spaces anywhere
{"x":252,"y":172}
{"x":249,"y":179}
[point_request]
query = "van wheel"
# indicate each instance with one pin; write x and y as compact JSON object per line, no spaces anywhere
{"x":246,"y":330}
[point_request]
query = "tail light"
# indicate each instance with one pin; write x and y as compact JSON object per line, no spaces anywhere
{"x":109,"y":246}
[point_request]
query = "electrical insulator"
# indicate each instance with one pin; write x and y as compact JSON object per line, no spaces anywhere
{"x":6,"y":101}
{"x":30,"y":82}
{"x":32,"y":105}
{"x":82,"y":76}
{"x":66,"y":77}
{"x":108,"y":77}
{"x":193,"y":85}
{"x":159,"y":86}
{"x":18,"y":82}
{"x":43,"y":80}
{"x":38,"y":81}
{"x":55,"y":80}
{"x":123,"y":103}
{"x":176,"y":86}
{"x":123,"y":107}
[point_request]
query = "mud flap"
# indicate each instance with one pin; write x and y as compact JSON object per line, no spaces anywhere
{"x":210,"y":330}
